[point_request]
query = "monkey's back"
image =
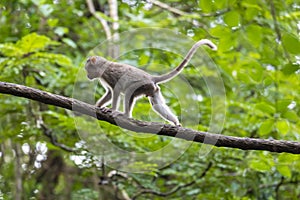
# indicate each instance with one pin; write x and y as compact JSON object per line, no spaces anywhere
{"x":127,"y":77}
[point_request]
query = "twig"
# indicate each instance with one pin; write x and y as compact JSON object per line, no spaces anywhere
{"x":277,"y":29}
{"x":164,"y":194}
{"x":104,"y":23}
{"x":273,"y":185}
{"x":273,"y":13}
{"x":113,"y":12}
{"x":53,"y":139}
{"x":169,"y":8}
{"x":277,"y":188}
{"x":119,"y":119}
{"x":182,"y":13}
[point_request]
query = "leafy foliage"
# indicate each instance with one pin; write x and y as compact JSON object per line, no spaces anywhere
{"x":43,"y":44}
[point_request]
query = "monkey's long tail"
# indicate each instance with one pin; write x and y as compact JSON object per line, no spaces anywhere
{"x":189,"y":55}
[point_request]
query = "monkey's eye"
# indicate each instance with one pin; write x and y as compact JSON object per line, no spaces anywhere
{"x":88,"y":60}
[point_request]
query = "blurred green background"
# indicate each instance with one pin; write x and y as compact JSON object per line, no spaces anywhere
{"x":43,"y":44}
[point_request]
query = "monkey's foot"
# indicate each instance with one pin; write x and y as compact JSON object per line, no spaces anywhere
{"x":106,"y":110}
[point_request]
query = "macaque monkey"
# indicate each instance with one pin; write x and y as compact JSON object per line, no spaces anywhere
{"x":119,"y":78}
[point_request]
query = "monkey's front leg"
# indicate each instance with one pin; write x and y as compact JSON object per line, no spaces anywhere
{"x":107,"y":97}
{"x":104,"y":99}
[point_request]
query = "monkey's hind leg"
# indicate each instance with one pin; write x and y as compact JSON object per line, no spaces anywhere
{"x":128,"y":103}
{"x":116,"y":98}
{"x":158,"y":104}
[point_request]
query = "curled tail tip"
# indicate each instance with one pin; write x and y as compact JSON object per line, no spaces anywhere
{"x":208,"y":43}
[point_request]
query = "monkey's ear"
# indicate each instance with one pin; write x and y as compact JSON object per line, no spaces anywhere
{"x":93,"y":59}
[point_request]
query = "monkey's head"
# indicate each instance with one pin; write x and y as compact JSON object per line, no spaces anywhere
{"x":95,"y":66}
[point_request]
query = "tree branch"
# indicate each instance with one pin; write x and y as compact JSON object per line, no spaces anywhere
{"x":174,"y":190}
{"x":169,"y":8}
{"x":120,"y":120}
{"x":182,"y":13}
{"x":104,"y":23}
{"x":47,"y":132}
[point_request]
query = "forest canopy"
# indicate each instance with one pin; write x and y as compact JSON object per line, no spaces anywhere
{"x":248,"y":88}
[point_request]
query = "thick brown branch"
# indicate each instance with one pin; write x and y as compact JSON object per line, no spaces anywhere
{"x":120,"y":120}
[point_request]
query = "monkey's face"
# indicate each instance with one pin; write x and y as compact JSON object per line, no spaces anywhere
{"x":93,"y":67}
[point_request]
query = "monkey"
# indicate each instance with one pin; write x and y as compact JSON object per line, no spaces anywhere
{"x":133,"y":82}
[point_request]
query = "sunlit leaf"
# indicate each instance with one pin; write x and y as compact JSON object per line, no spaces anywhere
{"x":220,"y":4}
{"x":283,"y":126}
{"x":33,"y":42}
{"x":206,"y":5}
{"x":52,"y":22}
{"x":226,"y":44}
{"x":282,"y":105}
{"x":285,"y":158}
{"x":220,"y":31}
{"x":11,"y":50}
{"x":232,"y":18}
{"x":291,"y":115}
{"x":251,"y":13}
{"x":265,"y":108}
{"x":254,"y":35}
{"x":284,"y":170}
{"x":291,"y":43}
{"x":69,"y":42}
{"x":290,"y":68}
{"x":260,"y":165}
{"x":54,"y":58}
{"x":266,"y":127}
{"x":46,"y":9}
{"x":60,"y":31}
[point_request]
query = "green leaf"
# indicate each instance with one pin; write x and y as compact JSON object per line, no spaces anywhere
{"x":220,"y":31}
{"x":250,"y":13}
{"x":291,"y":43}
{"x":10,"y":50}
{"x":220,"y":4}
{"x":259,"y":165}
{"x":253,"y":70}
{"x":266,"y":127}
{"x":52,"y":22}
{"x":284,"y":170}
{"x":291,"y":115}
{"x":194,"y":191}
{"x":283,"y":126}
{"x":226,"y":44}
{"x":69,"y":42}
{"x":290,"y":68}
{"x":144,"y":59}
{"x":33,"y":43}
{"x":206,"y":5}
{"x":60,"y":31}
{"x":251,"y":4}
{"x":254,"y":35}
{"x":282,"y":105}
{"x":285,"y":158}
{"x":59,"y":59}
{"x":265,"y":108}
{"x":46,"y":9}
{"x":244,"y":77}
{"x":232,"y":18}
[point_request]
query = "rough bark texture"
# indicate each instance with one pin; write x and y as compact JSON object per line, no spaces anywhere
{"x":116,"y":118}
